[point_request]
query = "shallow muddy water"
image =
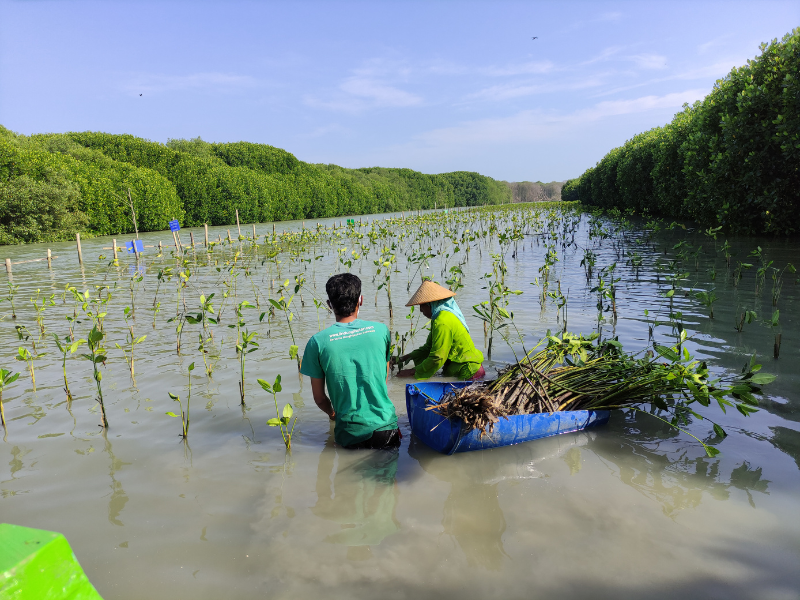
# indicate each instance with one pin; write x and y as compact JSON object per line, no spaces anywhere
{"x":627,"y":510}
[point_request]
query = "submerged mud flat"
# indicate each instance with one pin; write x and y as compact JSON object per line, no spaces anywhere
{"x":625,"y":510}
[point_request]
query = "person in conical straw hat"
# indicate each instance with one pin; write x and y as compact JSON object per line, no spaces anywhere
{"x":449,"y":346}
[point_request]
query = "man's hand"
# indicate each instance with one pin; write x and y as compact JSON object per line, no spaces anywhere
{"x":406,"y":373}
{"x":321,"y":398}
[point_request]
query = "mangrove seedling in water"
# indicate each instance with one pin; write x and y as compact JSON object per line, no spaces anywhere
{"x":707,"y":299}
{"x":777,"y":281}
{"x":184,"y":416}
{"x":67,"y":346}
{"x":97,"y":355}
{"x":40,"y":308}
{"x":24,"y":355}
{"x":6,"y":378}
{"x":12,"y":289}
{"x":245,"y":343}
{"x":280,"y":421}
{"x":748,"y":316}
{"x":493,"y":311}
{"x":202,"y":349}
{"x":132,"y":341}
{"x":283,"y":304}
{"x":24,"y":335}
{"x":737,"y":272}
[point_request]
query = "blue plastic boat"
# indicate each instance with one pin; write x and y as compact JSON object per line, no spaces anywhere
{"x":449,"y":436}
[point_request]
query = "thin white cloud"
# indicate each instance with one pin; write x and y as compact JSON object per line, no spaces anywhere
{"x":649,"y":61}
{"x":331,"y":129}
{"x":716,"y":70}
{"x":528,"y":68}
{"x":703,"y":48}
{"x":610,"y":17}
{"x":212,"y":82}
{"x":379,"y":93}
{"x":643,"y":104}
{"x":358,"y":94}
{"x":535,"y":125}
{"x":605,"y":55}
{"x":498,"y":93}
{"x":376,"y":83}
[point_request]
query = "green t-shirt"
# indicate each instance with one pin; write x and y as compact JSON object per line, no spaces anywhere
{"x":351,"y":358}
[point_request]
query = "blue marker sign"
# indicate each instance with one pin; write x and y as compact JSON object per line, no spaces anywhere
{"x":174,"y":225}
{"x":139,"y":247}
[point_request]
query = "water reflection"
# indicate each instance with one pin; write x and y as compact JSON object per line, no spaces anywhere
{"x":471,"y":513}
{"x":118,"y":499}
{"x":788,"y":441}
{"x":357,"y":489}
{"x":674,"y":475}
{"x":16,"y":465}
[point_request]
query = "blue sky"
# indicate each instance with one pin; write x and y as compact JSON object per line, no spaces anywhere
{"x":434,"y":86}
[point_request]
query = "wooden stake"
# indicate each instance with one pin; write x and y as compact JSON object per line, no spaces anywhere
{"x":205,"y":226}
{"x":114,"y":243}
{"x":230,"y":241}
{"x":191,"y":237}
{"x":254,"y":232}
{"x":237,"y":223}
{"x":175,"y":239}
{"x":8,"y":265}
{"x":80,"y":252}
{"x":49,"y":258}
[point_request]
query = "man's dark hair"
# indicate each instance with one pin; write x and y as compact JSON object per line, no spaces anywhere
{"x":344,"y":290}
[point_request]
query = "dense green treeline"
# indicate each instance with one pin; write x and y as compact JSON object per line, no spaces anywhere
{"x":52,"y":185}
{"x":731,"y":160}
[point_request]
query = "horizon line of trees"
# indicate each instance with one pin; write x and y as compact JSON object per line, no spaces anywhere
{"x":730,"y":160}
{"x":54,"y":185}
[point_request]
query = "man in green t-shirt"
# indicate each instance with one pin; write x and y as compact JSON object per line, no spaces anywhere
{"x":352,"y":357}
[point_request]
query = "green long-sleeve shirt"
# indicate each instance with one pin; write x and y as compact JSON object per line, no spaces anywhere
{"x":448,"y":346}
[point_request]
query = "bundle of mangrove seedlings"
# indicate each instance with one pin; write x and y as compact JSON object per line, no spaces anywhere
{"x":571,"y":372}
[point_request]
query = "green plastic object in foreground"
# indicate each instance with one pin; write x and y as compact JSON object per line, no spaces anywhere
{"x":39,"y":565}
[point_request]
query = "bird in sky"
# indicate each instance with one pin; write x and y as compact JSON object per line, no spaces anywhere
{"x":140,"y":94}
{"x":535,"y":38}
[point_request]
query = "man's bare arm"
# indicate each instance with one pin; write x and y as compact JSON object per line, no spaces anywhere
{"x":321,"y":398}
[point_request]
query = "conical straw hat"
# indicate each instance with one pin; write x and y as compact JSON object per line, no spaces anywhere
{"x":428,"y":292}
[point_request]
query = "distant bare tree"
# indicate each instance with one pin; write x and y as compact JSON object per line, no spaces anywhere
{"x":535,"y":191}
